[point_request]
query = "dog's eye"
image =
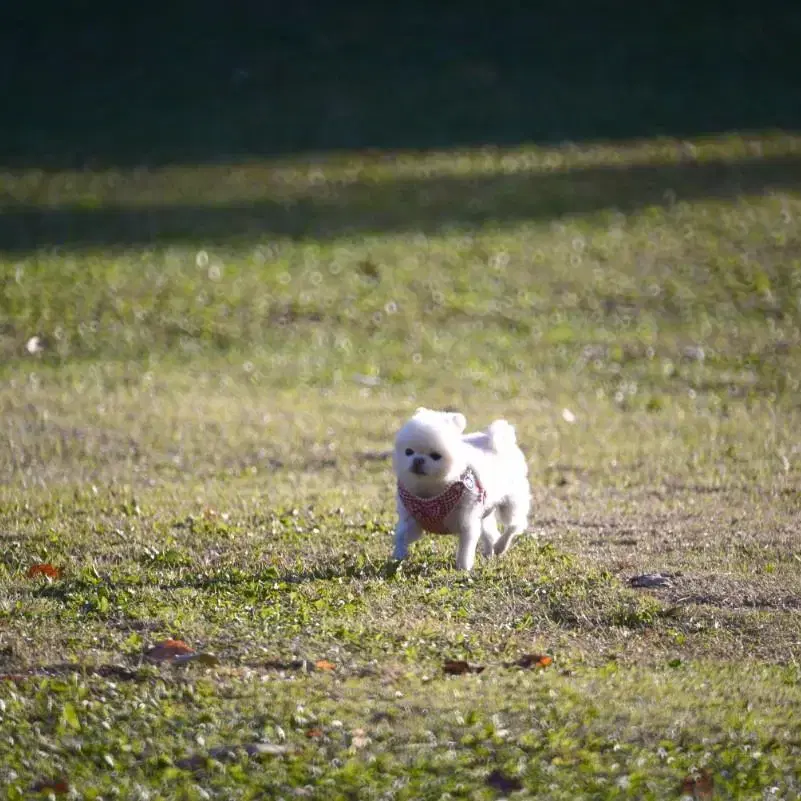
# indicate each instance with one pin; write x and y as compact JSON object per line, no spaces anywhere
{"x":436,"y":456}
{"x":409,"y":451}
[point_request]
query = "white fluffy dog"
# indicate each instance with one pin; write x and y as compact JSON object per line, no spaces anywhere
{"x":450,"y":482}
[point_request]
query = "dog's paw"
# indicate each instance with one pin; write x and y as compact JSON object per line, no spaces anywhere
{"x":502,"y":545}
{"x":486,"y":549}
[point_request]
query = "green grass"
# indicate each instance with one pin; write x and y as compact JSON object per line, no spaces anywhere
{"x":199,"y":444}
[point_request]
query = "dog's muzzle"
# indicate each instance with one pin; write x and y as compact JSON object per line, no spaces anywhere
{"x":418,"y":465}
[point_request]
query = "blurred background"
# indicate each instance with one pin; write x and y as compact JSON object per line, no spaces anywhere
{"x":97,"y":85}
{"x":558,"y":204}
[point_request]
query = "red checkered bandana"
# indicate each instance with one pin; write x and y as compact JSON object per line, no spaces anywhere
{"x":431,"y":513}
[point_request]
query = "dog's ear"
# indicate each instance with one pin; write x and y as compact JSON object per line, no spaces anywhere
{"x":422,"y":410}
{"x":458,"y":420}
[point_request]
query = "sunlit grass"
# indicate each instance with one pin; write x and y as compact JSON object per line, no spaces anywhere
{"x":202,"y":371}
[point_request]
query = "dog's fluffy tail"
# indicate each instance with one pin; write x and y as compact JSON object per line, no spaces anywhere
{"x":502,"y":435}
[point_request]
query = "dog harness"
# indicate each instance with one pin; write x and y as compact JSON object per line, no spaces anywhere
{"x":431,"y":513}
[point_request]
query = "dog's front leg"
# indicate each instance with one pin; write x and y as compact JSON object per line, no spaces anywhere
{"x":469,"y":535}
{"x":407,"y":531}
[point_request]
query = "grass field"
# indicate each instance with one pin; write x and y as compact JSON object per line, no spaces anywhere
{"x":201,"y":372}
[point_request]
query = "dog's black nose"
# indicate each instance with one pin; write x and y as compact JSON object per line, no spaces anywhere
{"x":417,"y":464}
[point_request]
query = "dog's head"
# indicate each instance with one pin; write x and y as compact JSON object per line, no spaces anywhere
{"x":429,"y":452}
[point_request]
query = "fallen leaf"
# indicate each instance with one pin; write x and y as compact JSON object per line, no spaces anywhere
{"x":506,"y":784}
{"x":649,"y":580}
{"x":698,"y":786}
{"x":43,"y":569}
{"x":324,"y":664}
{"x":457,"y":667}
{"x":55,"y":786}
{"x":168,"y":650}
{"x":314,"y":734}
{"x":532,"y":661}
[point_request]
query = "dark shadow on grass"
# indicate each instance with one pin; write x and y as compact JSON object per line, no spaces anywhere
{"x":427,"y":205}
{"x":117,"y":85}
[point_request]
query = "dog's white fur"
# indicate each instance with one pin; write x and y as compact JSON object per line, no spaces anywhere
{"x":496,"y":460}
